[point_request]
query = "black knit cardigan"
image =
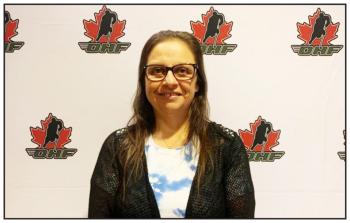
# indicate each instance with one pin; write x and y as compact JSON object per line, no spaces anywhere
{"x":229,"y":194}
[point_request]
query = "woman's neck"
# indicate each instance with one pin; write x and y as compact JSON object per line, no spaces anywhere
{"x":171,"y":131}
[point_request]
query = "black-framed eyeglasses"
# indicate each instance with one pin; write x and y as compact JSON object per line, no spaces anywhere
{"x":155,"y":72}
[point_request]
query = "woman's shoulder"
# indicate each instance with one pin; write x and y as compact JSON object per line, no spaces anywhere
{"x":114,"y":138}
{"x":116,"y":134}
{"x":222,"y":133}
{"x":229,"y":142}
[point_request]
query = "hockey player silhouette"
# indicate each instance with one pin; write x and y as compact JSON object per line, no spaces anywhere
{"x":261,"y":134}
{"x":7,"y":18}
{"x":54,"y":128}
{"x":213,"y":28}
{"x":320,"y":27}
{"x":107,"y":22}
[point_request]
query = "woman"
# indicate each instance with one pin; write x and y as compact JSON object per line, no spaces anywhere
{"x":171,"y":161}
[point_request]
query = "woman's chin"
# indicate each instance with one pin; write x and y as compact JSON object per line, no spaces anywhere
{"x":173,"y":108}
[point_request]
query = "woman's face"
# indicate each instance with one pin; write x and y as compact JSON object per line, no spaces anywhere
{"x":171,"y":96}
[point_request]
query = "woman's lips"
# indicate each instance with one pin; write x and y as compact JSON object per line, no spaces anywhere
{"x":169,"y":94}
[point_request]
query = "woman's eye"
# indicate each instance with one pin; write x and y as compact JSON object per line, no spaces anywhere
{"x":157,"y":70}
{"x":181,"y":70}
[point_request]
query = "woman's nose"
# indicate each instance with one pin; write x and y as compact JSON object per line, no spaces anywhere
{"x":170,"y":79}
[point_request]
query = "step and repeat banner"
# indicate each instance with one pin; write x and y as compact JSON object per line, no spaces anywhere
{"x":276,"y":76}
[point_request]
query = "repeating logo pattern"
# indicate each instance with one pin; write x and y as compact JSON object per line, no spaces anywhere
{"x":317,"y":36}
{"x":104,"y":33}
{"x":260,"y":140}
{"x":51,"y":138}
{"x":212,"y":31}
{"x":11,"y":31}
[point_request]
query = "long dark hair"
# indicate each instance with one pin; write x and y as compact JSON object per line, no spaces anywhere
{"x":142,"y":122}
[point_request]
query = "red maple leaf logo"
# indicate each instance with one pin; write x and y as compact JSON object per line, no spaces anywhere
{"x":306,"y":30}
{"x":200,"y":29}
{"x":10,"y":28}
{"x":93,"y":27}
{"x":261,"y":136}
{"x":42,"y":136}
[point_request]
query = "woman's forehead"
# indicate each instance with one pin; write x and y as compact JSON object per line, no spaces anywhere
{"x":171,"y":51}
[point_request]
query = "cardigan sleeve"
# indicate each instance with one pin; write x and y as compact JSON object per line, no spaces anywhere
{"x":104,"y":182}
{"x":240,"y":199}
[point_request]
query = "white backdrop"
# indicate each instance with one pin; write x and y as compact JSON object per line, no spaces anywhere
{"x":303,"y":96}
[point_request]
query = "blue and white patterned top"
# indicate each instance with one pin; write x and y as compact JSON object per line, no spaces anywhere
{"x":170,"y":172}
